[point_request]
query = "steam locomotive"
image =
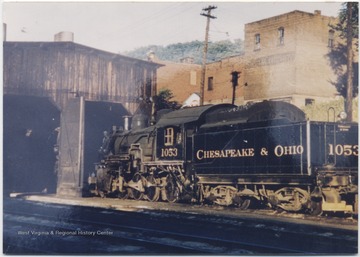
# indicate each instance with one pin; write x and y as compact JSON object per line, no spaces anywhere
{"x":265,"y":153}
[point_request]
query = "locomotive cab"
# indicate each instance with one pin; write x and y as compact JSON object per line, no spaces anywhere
{"x":169,"y":143}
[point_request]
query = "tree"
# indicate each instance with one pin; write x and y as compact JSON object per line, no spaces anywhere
{"x":338,"y":53}
{"x":222,"y":49}
{"x":163,"y":100}
{"x":174,"y":52}
{"x":150,"y":106}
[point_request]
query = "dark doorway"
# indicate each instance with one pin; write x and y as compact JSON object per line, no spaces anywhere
{"x":99,"y":117}
{"x":29,"y":137}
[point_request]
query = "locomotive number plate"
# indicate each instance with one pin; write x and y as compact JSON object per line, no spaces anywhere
{"x":169,"y":152}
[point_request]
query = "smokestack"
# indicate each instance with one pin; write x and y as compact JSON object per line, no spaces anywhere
{"x":64,"y":36}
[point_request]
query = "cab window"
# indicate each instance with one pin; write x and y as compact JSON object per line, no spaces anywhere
{"x":169,"y":136}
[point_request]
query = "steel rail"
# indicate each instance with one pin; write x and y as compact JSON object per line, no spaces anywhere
{"x":151,"y":236}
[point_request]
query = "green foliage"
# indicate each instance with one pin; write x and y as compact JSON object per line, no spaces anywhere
{"x":338,"y":54}
{"x":163,"y":100}
{"x":341,"y":26}
{"x":175,"y":52}
{"x":321,"y":111}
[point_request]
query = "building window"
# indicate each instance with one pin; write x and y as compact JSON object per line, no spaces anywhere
{"x":331,"y":39}
{"x":210,"y":83}
{"x":257,"y":42}
{"x":281,"y":36}
{"x":169,"y":136}
{"x":309,"y":101}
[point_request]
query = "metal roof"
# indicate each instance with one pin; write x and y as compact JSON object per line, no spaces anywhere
{"x":78,"y":47}
{"x":256,"y":112}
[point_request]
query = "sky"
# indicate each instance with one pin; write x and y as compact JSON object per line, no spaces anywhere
{"x":123,"y":26}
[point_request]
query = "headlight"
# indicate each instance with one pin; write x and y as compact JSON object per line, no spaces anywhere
{"x":342,"y":116}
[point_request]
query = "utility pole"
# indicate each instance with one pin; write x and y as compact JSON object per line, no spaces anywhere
{"x":349,"y":53}
{"x":202,"y":82}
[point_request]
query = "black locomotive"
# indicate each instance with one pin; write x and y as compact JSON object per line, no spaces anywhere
{"x":265,"y":153}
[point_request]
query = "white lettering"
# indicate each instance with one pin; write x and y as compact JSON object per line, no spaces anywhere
{"x":288,"y":150}
{"x":228,"y":153}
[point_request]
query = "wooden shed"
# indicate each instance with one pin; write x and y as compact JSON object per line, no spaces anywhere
{"x":62,"y":70}
{"x":82,"y":90}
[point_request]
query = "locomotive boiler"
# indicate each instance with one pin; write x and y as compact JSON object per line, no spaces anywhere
{"x":265,"y":154}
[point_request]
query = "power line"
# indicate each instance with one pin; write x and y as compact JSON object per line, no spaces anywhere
{"x":163,"y":17}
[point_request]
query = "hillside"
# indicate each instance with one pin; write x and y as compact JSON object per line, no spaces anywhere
{"x":174,"y":52}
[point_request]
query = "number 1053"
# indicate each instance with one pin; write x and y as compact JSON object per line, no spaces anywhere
{"x":345,"y":150}
{"x":169,"y":152}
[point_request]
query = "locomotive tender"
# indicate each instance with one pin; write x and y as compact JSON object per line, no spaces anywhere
{"x":265,"y":153}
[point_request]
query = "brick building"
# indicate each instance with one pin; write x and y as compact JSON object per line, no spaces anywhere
{"x":218,"y":85}
{"x":285,"y":59}
{"x":183,"y":78}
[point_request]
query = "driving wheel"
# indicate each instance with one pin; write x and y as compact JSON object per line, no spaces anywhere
{"x":152,"y":190}
{"x":171,"y":189}
{"x":137,"y":193}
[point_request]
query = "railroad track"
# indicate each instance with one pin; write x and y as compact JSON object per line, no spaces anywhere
{"x":170,"y":233}
{"x":153,"y":240}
